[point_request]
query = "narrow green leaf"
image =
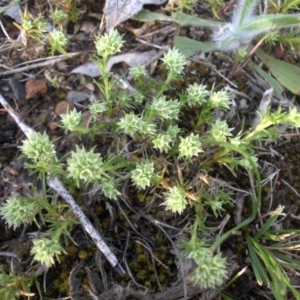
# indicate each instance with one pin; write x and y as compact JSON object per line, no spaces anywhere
{"x":243,"y":11}
{"x":258,"y":269}
{"x":278,"y":280}
{"x":188,"y":20}
{"x":265,"y":23}
{"x":294,"y":291}
{"x":148,"y":16}
{"x":225,"y":297}
{"x":287,"y":74}
{"x":273,"y":237}
{"x":278,"y":88}
{"x":181,"y":18}
{"x":287,"y":261}
{"x":189,"y":47}
{"x":269,"y":222}
{"x":290,"y":4}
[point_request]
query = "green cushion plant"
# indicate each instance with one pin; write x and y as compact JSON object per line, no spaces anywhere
{"x":153,"y":125}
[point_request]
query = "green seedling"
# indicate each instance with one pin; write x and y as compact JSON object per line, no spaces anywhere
{"x":58,"y":41}
{"x":31,"y":28}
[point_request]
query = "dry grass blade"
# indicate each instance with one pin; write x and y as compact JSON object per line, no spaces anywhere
{"x":74,"y":283}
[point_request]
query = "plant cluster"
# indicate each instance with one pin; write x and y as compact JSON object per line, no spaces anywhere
{"x":37,"y":28}
{"x":12,"y":286}
{"x":153,"y":124}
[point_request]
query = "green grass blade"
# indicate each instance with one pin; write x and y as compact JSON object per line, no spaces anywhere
{"x":244,"y":11}
{"x":269,"y":223}
{"x":281,"y":235}
{"x":225,"y":297}
{"x":188,"y":20}
{"x":287,"y":74}
{"x":278,"y":88}
{"x":290,"y":4}
{"x":258,"y":269}
{"x":287,"y":261}
{"x":279,"y":281}
{"x":179,"y":17}
{"x":189,"y":47}
{"x":148,"y":16}
{"x":265,"y":23}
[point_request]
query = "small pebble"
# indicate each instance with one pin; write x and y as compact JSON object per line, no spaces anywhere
{"x":35,"y":88}
{"x":63,"y":106}
{"x":77,"y":97}
{"x":52,"y":125}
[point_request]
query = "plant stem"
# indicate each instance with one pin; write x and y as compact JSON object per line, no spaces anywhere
{"x":256,"y":201}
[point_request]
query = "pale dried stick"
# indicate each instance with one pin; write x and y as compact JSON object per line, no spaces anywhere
{"x":56,"y":185}
{"x":52,"y":61}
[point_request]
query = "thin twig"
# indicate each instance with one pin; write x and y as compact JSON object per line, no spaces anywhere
{"x":133,"y":279}
{"x":10,"y":254}
{"x":153,"y":263}
{"x":4,"y":30}
{"x":213,"y":68}
{"x":292,"y":188}
{"x":181,"y":269}
{"x":41,"y":64}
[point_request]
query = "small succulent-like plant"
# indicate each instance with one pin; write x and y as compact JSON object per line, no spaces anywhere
{"x":174,"y":61}
{"x":190,"y":146}
{"x":19,"y":210}
{"x":59,"y":16}
{"x":109,"y":188}
{"x":132,"y":124}
{"x":58,"y":41}
{"x":68,"y":7}
{"x":220,"y":131}
{"x":72,"y":120}
{"x":164,"y":109}
{"x":86,"y":166}
{"x":109,"y":44}
{"x":97,"y":108}
{"x":175,"y":199}
{"x":211,"y":270}
{"x":45,"y":250}
{"x":31,"y":28}
{"x":195,"y":94}
{"x":39,"y":148}
{"x":143,"y":174}
{"x":41,"y":152}
{"x":12,"y":286}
